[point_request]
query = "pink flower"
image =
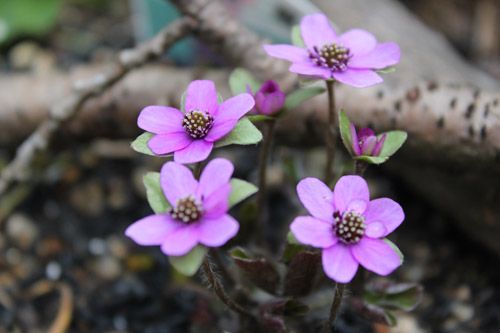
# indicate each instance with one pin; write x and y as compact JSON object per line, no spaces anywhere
{"x":350,"y":58}
{"x":198,"y":214}
{"x":365,"y":142}
{"x":191,"y":135}
{"x":348,"y":227}
{"x":269,"y":99}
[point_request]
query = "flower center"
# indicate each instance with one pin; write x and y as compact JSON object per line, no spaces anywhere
{"x":197,"y":123}
{"x":349,"y":227}
{"x":187,"y":210}
{"x":331,"y":56}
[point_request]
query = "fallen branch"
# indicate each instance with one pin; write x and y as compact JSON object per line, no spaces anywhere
{"x":82,"y":91}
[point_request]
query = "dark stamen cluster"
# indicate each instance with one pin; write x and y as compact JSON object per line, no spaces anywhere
{"x":331,"y":56}
{"x":197,"y":123}
{"x":187,"y":210}
{"x":350,"y":227}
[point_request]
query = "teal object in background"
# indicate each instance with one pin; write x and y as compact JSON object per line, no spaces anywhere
{"x":150,"y":16}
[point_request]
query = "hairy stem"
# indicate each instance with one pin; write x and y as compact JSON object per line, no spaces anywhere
{"x":262,"y":194}
{"x":208,"y":268}
{"x":331,"y":133}
{"x":360,"y":167}
{"x":337,"y":300}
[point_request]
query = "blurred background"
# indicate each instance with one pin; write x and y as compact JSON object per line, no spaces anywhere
{"x":63,"y":255}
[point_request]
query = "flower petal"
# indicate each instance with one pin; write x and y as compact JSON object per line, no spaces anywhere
{"x":162,"y":144}
{"x":310,"y":69}
{"x":234,"y":108}
{"x":217,"y":173}
{"x":359,"y":78}
{"x":316,"y":30}
{"x":339,"y":264}
{"x":311,"y":231}
{"x":369,"y":145}
{"x":160,"y":119}
{"x":216,"y":232}
{"x":287,"y":52}
{"x":383,"y":55}
{"x":177,"y":182}
{"x":376,"y":255}
{"x":217,"y":203}
{"x":375,"y":230}
{"x":354,"y":140}
{"x":358,"y":41}
{"x":181,"y":241}
{"x":151,"y":230}
{"x":201,"y":95}
{"x":385,"y":211}
{"x":348,"y":190}
{"x":197,"y":151}
{"x":317,"y":198}
{"x":220,"y":129}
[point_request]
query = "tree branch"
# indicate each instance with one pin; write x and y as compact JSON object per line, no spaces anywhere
{"x":61,"y":112}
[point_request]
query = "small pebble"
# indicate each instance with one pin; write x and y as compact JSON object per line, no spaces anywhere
{"x":21,"y":230}
{"x":53,"y":271}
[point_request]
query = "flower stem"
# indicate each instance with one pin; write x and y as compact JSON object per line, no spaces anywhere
{"x":331,"y":133}
{"x":337,"y":300}
{"x":360,"y":167}
{"x":262,"y":194}
{"x":214,"y":282}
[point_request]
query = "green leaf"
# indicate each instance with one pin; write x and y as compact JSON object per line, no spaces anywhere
{"x":393,"y":141}
{"x":140,"y":144}
{"x":372,"y":159}
{"x":387,"y":70}
{"x":245,"y":133}
{"x":154,"y":193}
{"x":396,"y":249}
{"x":240,"y":190}
{"x":299,"y":96}
{"x":297,"y":37}
{"x":189,"y":263}
{"x":345,"y":131}
{"x":241,"y":78}
{"x":257,"y":118}
{"x":392,"y":295}
{"x":183,"y":102}
{"x":27,"y":17}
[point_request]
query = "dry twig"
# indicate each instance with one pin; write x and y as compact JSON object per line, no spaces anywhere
{"x":127,"y":60}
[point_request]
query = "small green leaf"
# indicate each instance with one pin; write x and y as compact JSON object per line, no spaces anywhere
{"x":396,"y":249}
{"x":240,"y":190}
{"x":371,"y":159}
{"x":183,"y":102}
{"x":290,"y":238}
{"x":257,"y":118}
{"x":140,"y":144}
{"x":245,"y":133}
{"x":190,"y":263}
{"x":154,"y":193}
{"x":393,"y":141}
{"x":239,"y":80}
{"x":392,"y":295}
{"x":345,"y":131}
{"x":387,"y":70}
{"x":297,"y":37}
{"x":299,"y":96}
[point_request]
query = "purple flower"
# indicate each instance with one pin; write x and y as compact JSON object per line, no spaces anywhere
{"x":269,"y":99}
{"x":365,"y":142}
{"x":348,"y":227}
{"x":350,"y":58}
{"x":191,"y":135}
{"x":198,"y":214}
